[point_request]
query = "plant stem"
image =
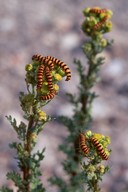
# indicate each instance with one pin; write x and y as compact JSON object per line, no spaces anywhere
{"x":27,"y":148}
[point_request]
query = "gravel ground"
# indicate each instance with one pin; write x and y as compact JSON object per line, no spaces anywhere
{"x":53,"y":28}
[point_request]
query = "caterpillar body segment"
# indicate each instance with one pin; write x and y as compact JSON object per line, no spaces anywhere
{"x":100,"y":23}
{"x":64,"y":67}
{"x":99,"y":148}
{"x":48,"y":97}
{"x":49,"y":80}
{"x":82,"y":141}
{"x":98,"y":11}
{"x":40,"y":76}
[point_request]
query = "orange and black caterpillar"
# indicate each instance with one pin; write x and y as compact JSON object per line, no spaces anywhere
{"x":43,"y":60}
{"x":64,"y":67}
{"x":100,"y":23}
{"x":49,"y":80}
{"x":37,"y":57}
{"x":48,"y":96}
{"x":40,"y":76}
{"x":99,"y":148}
{"x":83,"y":146}
{"x":98,"y":11}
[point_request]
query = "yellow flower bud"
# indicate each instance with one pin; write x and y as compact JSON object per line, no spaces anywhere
{"x":110,"y":13}
{"x":28,"y":67}
{"x":56,"y":87}
{"x":98,"y":136}
{"x":91,"y":168}
{"x":101,"y":168}
{"x":103,"y":42}
{"x":88,"y":133}
{"x":102,"y":15}
{"x":42,"y":116}
{"x":108,"y":26}
{"x":86,"y":11}
{"x":58,"y":77}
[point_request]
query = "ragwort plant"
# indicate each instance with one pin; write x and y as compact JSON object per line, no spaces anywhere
{"x":85,"y":151}
{"x":42,"y":77}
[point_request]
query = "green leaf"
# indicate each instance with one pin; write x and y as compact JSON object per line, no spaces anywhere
{"x":16,"y":178}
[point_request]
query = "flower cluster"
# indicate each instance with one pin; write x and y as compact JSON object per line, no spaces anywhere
{"x":45,"y":73}
{"x":97,"y":21}
{"x":94,"y":145}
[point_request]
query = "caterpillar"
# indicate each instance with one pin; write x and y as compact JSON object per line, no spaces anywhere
{"x":98,"y":11}
{"x":48,"y":62}
{"x":49,"y":80}
{"x":99,"y":148}
{"x":40,"y":76}
{"x":100,"y":23}
{"x":37,"y":57}
{"x":48,"y":97}
{"x":43,"y":60}
{"x":64,"y":67}
{"x":82,"y":141}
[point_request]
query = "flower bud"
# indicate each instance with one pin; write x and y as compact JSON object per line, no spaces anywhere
{"x":101,"y":168}
{"x":56,"y":87}
{"x":86,"y":11}
{"x":98,"y":136}
{"x":110,"y":13}
{"x":108,"y":26}
{"x":42,"y":116}
{"x":87,"y":47}
{"x":88,"y":133}
{"x":103,"y":42}
{"x":58,"y":77}
{"x":102,"y":15}
{"x":91,"y":168}
{"x":28,"y":67}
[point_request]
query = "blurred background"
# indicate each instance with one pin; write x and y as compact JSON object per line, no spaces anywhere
{"x":54,"y":28}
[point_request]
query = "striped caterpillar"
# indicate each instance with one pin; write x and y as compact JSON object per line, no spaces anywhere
{"x":44,"y":61}
{"x":100,"y":23}
{"x":98,"y":11}
{"x":99,"y":148}
{"x":83,"y":146}
{"x":64,"y":67}
{"x":48,"y":97}
{"x":40,"y":76}
{"x":49,"y":79}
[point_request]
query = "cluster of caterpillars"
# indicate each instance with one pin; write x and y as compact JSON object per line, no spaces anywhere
{"x":85,"y":149}
{"x":45,"y":69}
{"x":103,"y":20}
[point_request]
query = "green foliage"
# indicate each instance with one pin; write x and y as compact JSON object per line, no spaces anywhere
{"x":42,"y":76}
{"x":16,"y":178}
{"x":92,"y":169}
{"x":28,"y":179}
{"x":5,"y":189}
{"x":20,"y":130}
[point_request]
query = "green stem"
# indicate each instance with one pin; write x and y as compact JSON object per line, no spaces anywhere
{"x":27,"y":148}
